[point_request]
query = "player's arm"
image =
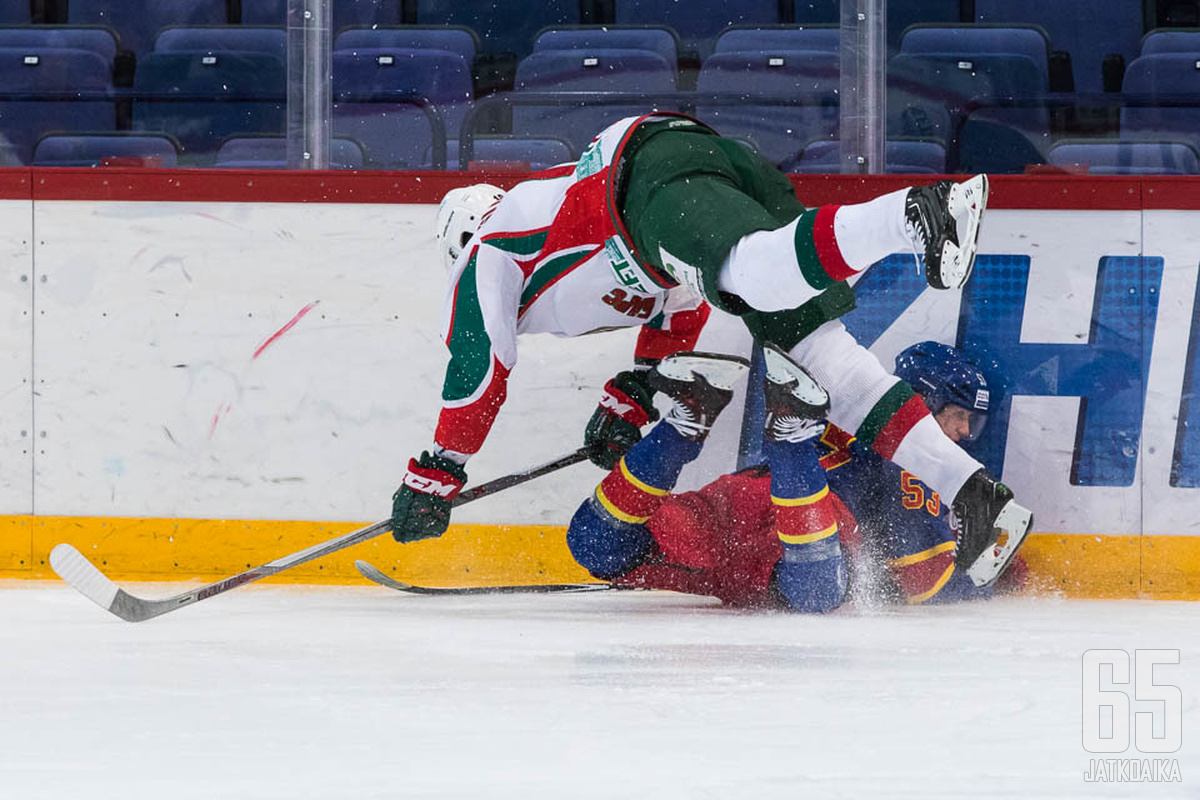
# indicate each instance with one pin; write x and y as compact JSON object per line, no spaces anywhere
{"x":626,"y":404}
{"x":480,"y":330}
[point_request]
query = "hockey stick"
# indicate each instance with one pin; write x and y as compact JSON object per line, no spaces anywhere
{"x":372,"y":573}
{"x":76,"y":570}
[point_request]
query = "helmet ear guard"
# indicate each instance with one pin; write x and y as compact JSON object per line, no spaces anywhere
{"x":460,"y":215}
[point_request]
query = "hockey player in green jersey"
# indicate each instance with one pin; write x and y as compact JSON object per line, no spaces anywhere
{"x":660,"y":219}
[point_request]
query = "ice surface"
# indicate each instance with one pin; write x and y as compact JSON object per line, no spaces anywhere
{"x":284,"y":692}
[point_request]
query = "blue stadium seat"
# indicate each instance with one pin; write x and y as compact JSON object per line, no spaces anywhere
{"x":1127,"y":158}
{"x":137,"y":22}
{"x":94,"y":149}
{"x":270,"y":152}
{"x":501,"y":152}
{"x":900,"y":14}
{"x":15,"y":12}
{"x":778,"y":131}
{"x":367,"y":88}
{"x":586,"y":71}
{"x":967,"y":41}
{"x":611,"y":37}
{"x":501,"y":26}
{"x":699,"y":21}
{"x":29,"y":70}
{"x":901,"y":157}
{"x":97,"y":39}
{"x":1089,"y":30}
{"x":942,"y":73}
{"x":457,"y":39}
{"x":346,"y":13}
{"x":248,"y":39}
{"x":782,"y":37}
{"x":903,"y":15}
{"x":236,"y":93}
{"x":1167,"y":76}
{"x":1156,"y":42}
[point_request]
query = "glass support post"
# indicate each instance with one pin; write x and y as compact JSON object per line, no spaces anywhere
{"x":863,"y":86}
{"x":309,"y":76}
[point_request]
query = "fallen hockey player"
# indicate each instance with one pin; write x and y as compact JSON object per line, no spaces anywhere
{"x":770,"y":536}
{"x":660,"y":214}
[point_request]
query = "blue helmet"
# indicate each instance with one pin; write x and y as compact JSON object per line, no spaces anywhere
{"x":943,"y":376}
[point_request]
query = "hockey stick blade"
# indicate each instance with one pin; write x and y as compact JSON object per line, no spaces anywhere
{"x":82,"y":575}
{"x":372,"y":573}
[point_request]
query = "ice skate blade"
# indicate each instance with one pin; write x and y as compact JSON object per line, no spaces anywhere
{"x":721,"y":371}
{"x":966,"y":203}
{"x":781,"y":370}
{"x":1013,"y":522}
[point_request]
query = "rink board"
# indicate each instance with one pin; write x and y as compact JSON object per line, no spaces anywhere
{"x":199,"y":365}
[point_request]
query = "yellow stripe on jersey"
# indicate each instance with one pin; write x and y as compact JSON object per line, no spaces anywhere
{"x":788,"y":502}
{"x":937,"y":587}
{"x":640,"y":484}
{"x":924,"y":555}
{"x":616,"y":512}
{"x":806,"y":538}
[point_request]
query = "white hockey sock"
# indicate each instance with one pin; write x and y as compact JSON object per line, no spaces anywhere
{"x":763,"y":271}
{"x":867,"y":232}
{"x":928,"y":453}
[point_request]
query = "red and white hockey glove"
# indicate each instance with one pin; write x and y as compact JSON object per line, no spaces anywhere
{"x":421,"y":506}
{"x":625,"y":407}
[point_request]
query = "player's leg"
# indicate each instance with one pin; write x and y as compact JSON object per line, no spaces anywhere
{"x":707,"y":216}
{"x":811,"y":575}
{"x":884,"y":414}
{"x":607,"y":535}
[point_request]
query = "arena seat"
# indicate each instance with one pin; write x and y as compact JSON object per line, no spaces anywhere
{"x":15,"y":12}
{"x":368,"y":89}
{"x":270,"y":152}
{"x":247,"y":39}
{"x":32,"y":70}
{"x":346,"y":13}
{"x":697,"y":22}
{"x":1127,"y":158}
{"x":611,"y":37}
{"x":1090,"y":30}
{"x":137,"y":22}
{"x":459,"y":39}
{"x":767,"y":39}
{"x":901,"y":157}
{"x":789,"y":74}
{"x":900,"y":14}
{"x":1168,"y":76}
{"x":237,"y":92}
{"x":1156,"y":42}
{"x":93,"y":149}
{"x":502,"y":27}
{"x":97,"y":39}
{"x":519,"y":152}
{"x":970,"y":41}
{"x":586,"y":71}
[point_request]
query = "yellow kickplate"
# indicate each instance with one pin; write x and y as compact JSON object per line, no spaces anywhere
{"x":186,"y":549}
{"x":1075,"y":565}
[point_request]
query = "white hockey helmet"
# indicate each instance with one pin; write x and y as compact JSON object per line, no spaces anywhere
{"x":459,"y":217}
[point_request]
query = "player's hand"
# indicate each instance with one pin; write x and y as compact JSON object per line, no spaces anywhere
{"x":626,"y":405}
{"x":421,"y":506}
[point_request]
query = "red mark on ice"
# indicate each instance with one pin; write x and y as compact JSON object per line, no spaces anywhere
{"x":217,"y":418}
{"x":291,"y":324}
{"x":215,"y":218}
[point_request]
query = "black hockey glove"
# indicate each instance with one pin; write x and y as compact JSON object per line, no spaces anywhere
{"x":421,"y":506}
{"x":626,"y":405}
